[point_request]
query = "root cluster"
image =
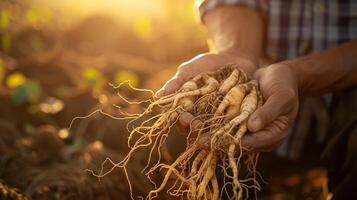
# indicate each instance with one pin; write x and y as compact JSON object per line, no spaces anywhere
{"x":221,"y":102}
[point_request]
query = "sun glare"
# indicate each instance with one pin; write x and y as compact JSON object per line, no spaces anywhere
{"x":120,"y":8}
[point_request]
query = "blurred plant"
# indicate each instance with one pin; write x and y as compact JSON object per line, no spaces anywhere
{"x":15,"y":79}
{"x":30,"y":91}
{"x":23,"y":89}
{"x":38,"y":15}
{"x":142,"y":26}
{"x":93,"y":78}
{"x":122,"y":76}
{"x":4,"y":19}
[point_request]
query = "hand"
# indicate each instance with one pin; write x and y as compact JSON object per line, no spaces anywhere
{"x":269,"y":124}
{"x":202,"y":63}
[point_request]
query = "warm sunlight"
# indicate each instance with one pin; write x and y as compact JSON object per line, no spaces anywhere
{"x":137,"y":99}
{"x":120,"y":8}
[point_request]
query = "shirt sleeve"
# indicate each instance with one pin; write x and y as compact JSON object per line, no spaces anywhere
{"x":203,"y":6}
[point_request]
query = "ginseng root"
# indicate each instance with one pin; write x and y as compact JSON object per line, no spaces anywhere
{"x":222,"y":101}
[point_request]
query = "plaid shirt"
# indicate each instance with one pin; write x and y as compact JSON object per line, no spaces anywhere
{"x":296,"y":28}
{"x":299,"y":27}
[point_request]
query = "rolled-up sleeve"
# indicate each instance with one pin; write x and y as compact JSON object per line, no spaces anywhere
{"x":203,"y":6}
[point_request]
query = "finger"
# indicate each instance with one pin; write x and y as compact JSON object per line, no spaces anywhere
{"x":189,"y":69}
{"x":267,"y":138}
{"x":277,"y":104}
{"x":188,"y":125}
{"x":170,"y":86}
{"x":185,"y":119}
{"x":184,"y":123}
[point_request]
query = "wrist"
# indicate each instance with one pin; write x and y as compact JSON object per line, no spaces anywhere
{"x":297,"y":66}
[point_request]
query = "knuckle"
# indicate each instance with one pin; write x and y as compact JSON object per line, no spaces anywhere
{"x":278,"y":132}
{"x":281,"y":129}
{"x":280,"y":135}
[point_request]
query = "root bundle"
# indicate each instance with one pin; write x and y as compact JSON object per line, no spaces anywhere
{"x":222,"y":102}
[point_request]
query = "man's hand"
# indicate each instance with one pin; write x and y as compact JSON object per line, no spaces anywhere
{"x":269,"y":124}
{"x":204,"y":63}
{"x":236,"y":33}
{"x":201,"y":63}
{"x":325,"y":71}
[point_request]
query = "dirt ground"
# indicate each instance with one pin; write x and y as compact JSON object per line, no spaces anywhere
{"x":51,"y":73}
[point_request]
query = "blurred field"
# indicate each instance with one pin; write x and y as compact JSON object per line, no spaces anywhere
{"x":57,"y":59}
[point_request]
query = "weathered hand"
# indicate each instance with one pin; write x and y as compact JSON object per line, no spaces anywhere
{"x":269,"y":124}
{"x":201,"y":63}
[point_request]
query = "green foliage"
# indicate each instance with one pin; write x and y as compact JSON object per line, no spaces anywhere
{"x":23,"y":89}
{"x":19,"y":94}
{"x":30,"y":91}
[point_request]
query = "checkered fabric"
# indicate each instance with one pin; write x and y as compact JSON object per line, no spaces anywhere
{"x":299,"y":27}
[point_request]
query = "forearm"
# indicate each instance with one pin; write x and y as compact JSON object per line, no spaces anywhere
{"x":236,"y":30}
{"x":327,"y":71}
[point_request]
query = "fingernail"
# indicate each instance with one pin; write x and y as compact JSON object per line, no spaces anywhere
{"x":255,"y":124}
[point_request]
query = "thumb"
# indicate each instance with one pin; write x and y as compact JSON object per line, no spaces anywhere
{"x":275,"y":106}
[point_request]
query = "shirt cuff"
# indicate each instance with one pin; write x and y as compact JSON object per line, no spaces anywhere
{"x":203,"y":6}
